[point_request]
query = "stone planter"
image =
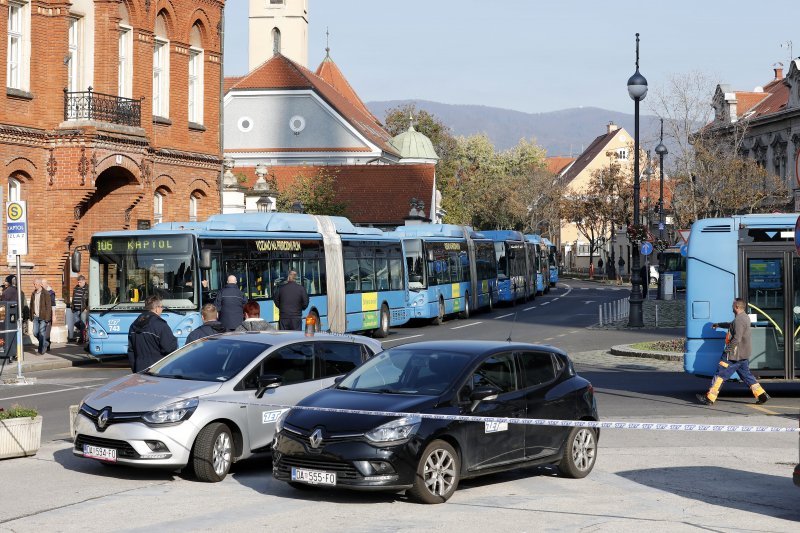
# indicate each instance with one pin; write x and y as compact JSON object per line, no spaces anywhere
{"x":20,"y":437}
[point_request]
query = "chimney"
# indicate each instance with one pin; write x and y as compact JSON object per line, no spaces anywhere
{"x":778,"y":69}
{"x":611,"y":127}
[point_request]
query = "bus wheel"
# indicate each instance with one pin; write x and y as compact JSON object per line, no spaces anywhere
{"x":439,"y":320}
{"x":383,"y":324}
{"x":465,"y":312}
{"x":491,"y":303}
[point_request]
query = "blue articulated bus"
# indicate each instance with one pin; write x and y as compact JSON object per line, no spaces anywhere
{"x":514,"y":274}
{"x":541,"y":262}
{"x":552,"y":258}
{"x":451,"y":269}
{"x":752,"y":257}
{"x":354,"y":276}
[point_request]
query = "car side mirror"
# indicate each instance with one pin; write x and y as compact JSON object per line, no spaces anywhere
{"x":337,"y":380}
{"x":267,"y":381}
{"x":482,"y":394}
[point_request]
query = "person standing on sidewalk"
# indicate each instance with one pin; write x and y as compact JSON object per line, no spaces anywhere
{"x":735,"y":357}
{"x":600,"y":269}
{"x":230,"y":304}
{"x":41,"y":312}
{"x":150,"y":337}
{"x":620,"y":270}
{"x":80,"y":308}
{"x":46,"y":286}
{"x":290,"y":300}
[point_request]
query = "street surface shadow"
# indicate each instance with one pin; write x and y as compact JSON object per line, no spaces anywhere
{"x":753,"y":492}
{"x":68,"y":461}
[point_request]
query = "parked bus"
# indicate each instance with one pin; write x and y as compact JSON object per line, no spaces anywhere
{"x":674,"y":263}
{"x":541,"y":263}
{"x":451,"y":269}
{"x":752,"y":257}
{"x":354,"y":276}
{"x":514,"y":274}
{"x":552,"y":257}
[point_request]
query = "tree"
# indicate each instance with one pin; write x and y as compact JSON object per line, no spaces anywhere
{"x":317,"y":193}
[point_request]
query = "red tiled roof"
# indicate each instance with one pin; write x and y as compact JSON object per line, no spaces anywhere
{"x":329,"y":71}
{"x":329,"y":149}
{"x":229,"y":82}
{"x":778,"y":97}
{"x":374,"y":194}
{"x":745,"y":101}
{"x":280,"y":72}
{"x":556,"y":164}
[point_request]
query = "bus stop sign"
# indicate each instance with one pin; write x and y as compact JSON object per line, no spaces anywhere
{"x":17,"y":228}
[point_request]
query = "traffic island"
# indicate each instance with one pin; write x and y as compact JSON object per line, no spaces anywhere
{"x":632,"y":350}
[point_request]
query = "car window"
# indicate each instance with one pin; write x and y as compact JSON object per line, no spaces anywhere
{"x":496,"y":371}
{"x":211,"y":359}
{"x":338,"y":357}
{"x":537,"y":368}
{"x":294,"y":363}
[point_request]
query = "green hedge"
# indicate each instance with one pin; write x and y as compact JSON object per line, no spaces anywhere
{"x":17,"y":412}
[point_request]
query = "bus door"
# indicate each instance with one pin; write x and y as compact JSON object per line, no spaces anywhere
{"x":770,"y":284}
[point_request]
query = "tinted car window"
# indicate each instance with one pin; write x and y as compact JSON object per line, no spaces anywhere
{"x":537,"y":368}
{"x":496,"y":371}
{"x":211,"y":359}
{"x":293,"y":363}
{"x":338,"y":357}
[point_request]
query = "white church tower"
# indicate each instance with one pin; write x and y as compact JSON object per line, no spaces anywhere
{"x":278,"y":26}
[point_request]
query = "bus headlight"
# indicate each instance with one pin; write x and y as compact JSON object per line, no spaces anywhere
{"x":419,"y":300}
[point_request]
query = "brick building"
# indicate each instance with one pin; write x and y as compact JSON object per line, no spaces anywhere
{"x":109,"y":120}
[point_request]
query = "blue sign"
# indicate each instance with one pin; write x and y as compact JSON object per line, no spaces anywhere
{"x":660,"y":226}
{"x":647,"y":248}
{"x":684,"y":250}
{"x":16,"y":227}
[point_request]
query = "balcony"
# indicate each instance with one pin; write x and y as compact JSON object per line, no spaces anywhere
{"x":90,"y":105}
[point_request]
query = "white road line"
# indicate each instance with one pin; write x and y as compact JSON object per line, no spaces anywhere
{"x":529,"y":308}
{"x":545,"y":303}
{"x":584,"y":288}
{"x":563,"y":335}
{"x":503,"y":316}
{"x":550,"y":338}
{"x":467,"y":325}
{"x":48,"y":392}
{"x":402,"y":338}
{"x":554,"y":299}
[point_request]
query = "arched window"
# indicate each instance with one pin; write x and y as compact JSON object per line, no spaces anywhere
{"x":276,"y":41}
{"x":125,"y":54}
{"x":158,"y":207}
{"x":193,"y":201}
{"x":14,"y":190}
{"x":196,"y":76}
{"x":161,"y":68}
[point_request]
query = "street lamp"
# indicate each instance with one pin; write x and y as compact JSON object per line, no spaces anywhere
{"x":637,"y":90}
{"x":661,"y":150}
{"x":297,"y":207}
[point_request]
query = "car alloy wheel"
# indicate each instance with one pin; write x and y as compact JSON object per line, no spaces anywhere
{"x":438,"y":474}
{"x":212,"y":454}
{"x":222,"y":454}
{"x":580,"y":453}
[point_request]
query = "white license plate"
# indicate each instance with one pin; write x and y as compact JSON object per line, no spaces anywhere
{"x":313,"y":477}
{"x":96,"y":452}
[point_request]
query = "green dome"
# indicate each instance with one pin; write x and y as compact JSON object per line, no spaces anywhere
{"x":413,"y":145}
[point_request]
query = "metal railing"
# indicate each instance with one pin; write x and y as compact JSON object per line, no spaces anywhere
{"x":614,"y":311}
{"x":89,"y":105}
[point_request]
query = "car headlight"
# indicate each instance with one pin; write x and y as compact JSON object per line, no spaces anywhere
{"x":281,"y":419}
{"x":172,"y":413}
{"x":398,"y":430}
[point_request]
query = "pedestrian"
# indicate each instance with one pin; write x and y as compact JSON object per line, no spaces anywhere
{"x":645,"y":281}
{"x":41,"y":312}
{"x":290,"y":300}
{"x":230,"y":304}
{"x":10,"y":291}
{"x":252,"y":318}
{"x":211,"y":324}
{"x":735,"y":357}
{"x":80,"y":309}
{"x":52,"y":294}
{"x":600,"y":269}
{"x":150,"y":337}
{"x":620,"y":270}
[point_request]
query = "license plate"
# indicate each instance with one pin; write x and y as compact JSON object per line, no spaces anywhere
{"x":96,"y":452}
{"x":313,"y":477}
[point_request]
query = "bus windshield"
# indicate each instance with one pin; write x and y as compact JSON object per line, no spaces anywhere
{"x":124,"y":271}
{"x":415,"y":264}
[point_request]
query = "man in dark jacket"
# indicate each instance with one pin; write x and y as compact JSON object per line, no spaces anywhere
{"x":211,"y":326}
{"x":230,"y":304}
{"x":80,"y":308}
{"x":150,"y":337}
{"x":10,"y":292}
{"x":41,"y":313}
{"x":291,"y":299}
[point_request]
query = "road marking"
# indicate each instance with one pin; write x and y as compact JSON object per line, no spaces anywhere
{"x":584,"y":288}
{"x":550,"y":338}
{"x":588,"y":301}
{"x":763,"y":409}
{"x":554,"y":299}
{"x":545,"y":303}
{"x":403,"y":338}
{"x":467,"y":325}
{"x":563,"y":335}
{"x":503,"y":316}
{"x":529,"y":308}
{"x":49,"y":392}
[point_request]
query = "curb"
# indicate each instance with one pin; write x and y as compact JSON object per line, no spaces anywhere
{"x":55,"y":362}
{"x":625,"y":350}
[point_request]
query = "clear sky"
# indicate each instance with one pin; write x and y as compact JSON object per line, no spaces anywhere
{"x":536,"y":55}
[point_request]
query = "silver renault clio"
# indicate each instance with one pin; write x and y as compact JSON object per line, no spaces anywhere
{"x":212,"y":402}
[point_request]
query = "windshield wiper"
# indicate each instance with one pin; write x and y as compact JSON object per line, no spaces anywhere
{"x":172,"y":310}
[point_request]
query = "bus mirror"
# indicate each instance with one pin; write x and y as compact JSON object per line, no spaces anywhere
{"x":76,"y":261}
{"x":205,"y":259}
{"x":430,"y":255}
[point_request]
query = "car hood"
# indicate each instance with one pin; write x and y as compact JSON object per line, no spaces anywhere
{"x":140,"y":393}
{"x":351,"y":422}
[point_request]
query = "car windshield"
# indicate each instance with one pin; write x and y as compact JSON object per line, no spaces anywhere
{"x":405,"y":370}
{"x":211,"y":359}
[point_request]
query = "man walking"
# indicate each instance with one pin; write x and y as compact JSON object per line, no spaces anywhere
{"x":150,"y":337}
{"x":230,"y":304}
{"x":290,"y":300}
{"x":735,"y":358}
{"x":41,"y":312}
{"x":80,"y":308}
{"x":211,"y":326}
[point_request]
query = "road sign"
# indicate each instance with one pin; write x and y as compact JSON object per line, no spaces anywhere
{"x":660,"y":226}
{"x":684,"y":249}
{"x":684,"y":233}
{"x":647,"y":248}
{"x":17,"y":228}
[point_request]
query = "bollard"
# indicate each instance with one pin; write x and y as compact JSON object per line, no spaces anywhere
{"x":656,"y":315}
{"x":600,"y":310}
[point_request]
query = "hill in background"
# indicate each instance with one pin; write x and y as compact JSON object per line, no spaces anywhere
{"x":564,"y":132}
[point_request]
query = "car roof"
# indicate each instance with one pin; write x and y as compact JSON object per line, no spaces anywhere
{"x":274,"y":337}
{"x":480,"y":348}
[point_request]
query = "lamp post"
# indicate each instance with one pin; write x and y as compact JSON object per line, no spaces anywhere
{"x":637,"y":90}
{"x":661,"y":150}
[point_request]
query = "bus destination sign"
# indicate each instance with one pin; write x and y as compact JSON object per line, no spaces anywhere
{"x":124,"y":245}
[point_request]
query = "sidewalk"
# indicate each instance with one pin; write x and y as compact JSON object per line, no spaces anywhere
{"x":59,"y":356}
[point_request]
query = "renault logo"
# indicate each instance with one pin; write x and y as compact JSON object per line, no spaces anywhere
{"x":102,"y":419}
{"x":316,"y":438}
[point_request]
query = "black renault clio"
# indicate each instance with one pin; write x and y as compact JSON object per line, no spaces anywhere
{"x":428,"y":457}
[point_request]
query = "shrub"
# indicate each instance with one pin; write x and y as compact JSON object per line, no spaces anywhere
{"x":17,"y":412}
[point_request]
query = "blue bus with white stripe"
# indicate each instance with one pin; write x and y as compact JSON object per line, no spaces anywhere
{"x":541,"y":263}
{"x":552,"y":256}
{"x":514,"y":274}
{"x":451,"y":269}
{"x":354,"y":276}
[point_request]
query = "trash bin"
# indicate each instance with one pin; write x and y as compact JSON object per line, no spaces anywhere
{"x":667,"y":288}
{"x":8,"y":326}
